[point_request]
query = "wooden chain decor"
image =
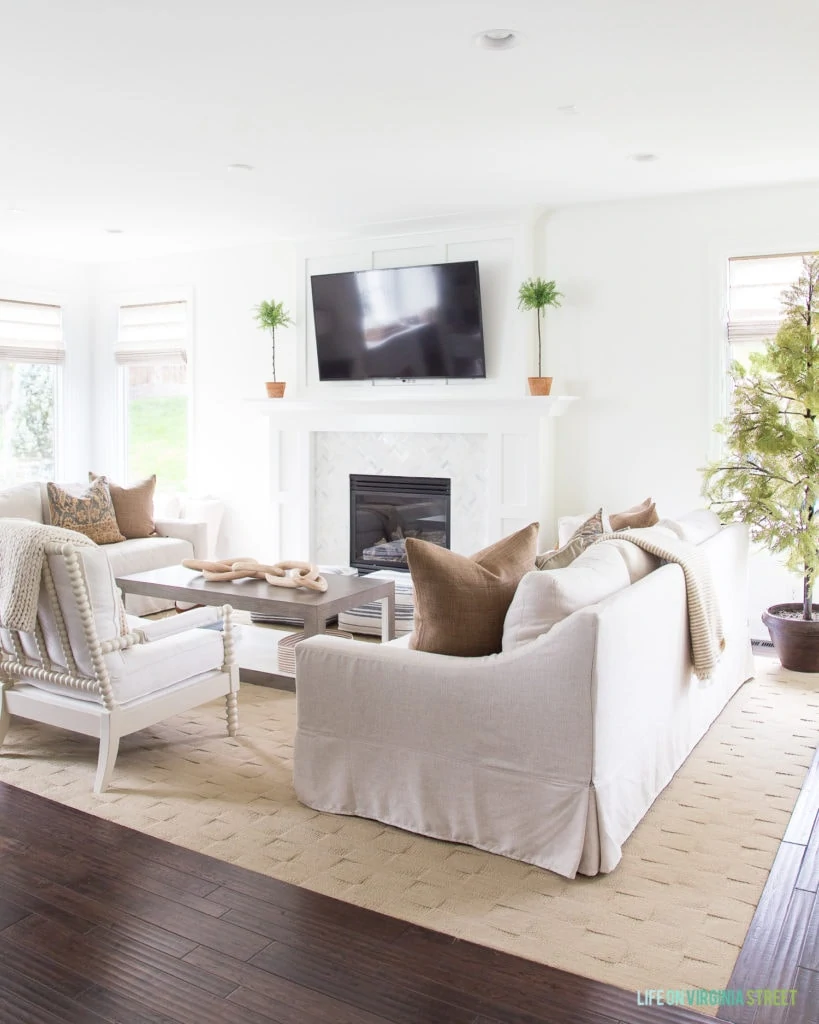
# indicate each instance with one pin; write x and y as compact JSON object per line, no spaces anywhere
{"x":282,"y":574}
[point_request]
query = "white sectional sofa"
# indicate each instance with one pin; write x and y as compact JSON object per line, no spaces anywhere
{"x":175,"y":539}
{"x":551,"y":752}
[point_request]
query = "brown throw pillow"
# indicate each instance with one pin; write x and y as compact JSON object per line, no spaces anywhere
{"x":635,"y":518}
{"x":133,"y":506}
{"x":461,"y":602}
{"x":90,"y":513}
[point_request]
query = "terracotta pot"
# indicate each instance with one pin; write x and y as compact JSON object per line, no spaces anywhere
{"x":796,"y":641}
{"x":275,"y":388}
{"x":540,"y":385}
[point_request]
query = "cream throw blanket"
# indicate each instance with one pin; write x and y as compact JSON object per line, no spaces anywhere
{"x":22,"y":556}
{"x":704,"y":620}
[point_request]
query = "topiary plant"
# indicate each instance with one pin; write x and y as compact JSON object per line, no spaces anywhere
{"x":269,"y":316}
{"x":535,"y":293}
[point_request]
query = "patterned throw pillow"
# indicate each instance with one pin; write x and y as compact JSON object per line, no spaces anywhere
{"x":133,"y":506}
{"x":589,"y":531}
{"x":559,"y":558}
{"x":90,"y":513}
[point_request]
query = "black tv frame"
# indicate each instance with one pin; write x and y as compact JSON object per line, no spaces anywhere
{"x":405,"y":379}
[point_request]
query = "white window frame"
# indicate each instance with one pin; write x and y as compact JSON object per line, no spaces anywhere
{"x":15,"y":293}
{"x":119,"y":371}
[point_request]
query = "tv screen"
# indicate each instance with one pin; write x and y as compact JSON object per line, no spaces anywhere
{"x":403,"y":322}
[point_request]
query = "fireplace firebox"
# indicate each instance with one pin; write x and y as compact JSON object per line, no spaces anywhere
{"x":386,"y":510}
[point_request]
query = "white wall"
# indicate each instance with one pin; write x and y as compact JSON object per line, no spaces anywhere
{"x":229,"y":363}
{"x":505,"y":256}
{"x":640,"y":338}
{"x":38,"y":279}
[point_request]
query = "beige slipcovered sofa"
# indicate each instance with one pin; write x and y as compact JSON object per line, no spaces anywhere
{"x":550,"y":752}
{"x":175,"y":539}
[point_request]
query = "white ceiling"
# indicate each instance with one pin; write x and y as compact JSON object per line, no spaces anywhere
{"x":125,"y":113}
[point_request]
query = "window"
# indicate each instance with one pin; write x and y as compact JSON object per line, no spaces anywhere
{"x":31,"y":351}
{"x":755,"y":286}
{"x":151,"y":351}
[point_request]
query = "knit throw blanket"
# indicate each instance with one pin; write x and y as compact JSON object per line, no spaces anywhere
{"x":704,"y":620}
{"x":22,"y":557}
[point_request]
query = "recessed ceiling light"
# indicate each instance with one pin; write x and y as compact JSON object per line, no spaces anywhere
{"x":114,"y":231}
{"x":567,"y":108}
{"x":644,"y":158}
{"x":16,"y":211}
{"x":497,"y":39}
{"x":240,"y":167}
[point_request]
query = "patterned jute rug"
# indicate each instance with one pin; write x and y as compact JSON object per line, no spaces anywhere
{"x":672,"y":915}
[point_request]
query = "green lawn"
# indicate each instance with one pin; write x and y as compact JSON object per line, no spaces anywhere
{"x":158,"y":440}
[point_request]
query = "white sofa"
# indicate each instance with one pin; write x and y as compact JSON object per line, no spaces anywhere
{"x":550,"y":753}
{"x":175,"y":539}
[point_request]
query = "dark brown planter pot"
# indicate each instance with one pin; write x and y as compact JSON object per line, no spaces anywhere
{"x":796,"y":641}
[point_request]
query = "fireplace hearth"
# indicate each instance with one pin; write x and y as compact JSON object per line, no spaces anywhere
{"x":386,"y":510}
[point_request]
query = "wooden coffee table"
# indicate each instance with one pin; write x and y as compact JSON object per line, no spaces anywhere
{"x":256,"y":649}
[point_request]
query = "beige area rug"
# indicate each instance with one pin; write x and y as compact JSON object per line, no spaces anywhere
{"x":673,"y":915}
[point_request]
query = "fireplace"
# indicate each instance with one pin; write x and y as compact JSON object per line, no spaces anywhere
{"x":385,"y":510}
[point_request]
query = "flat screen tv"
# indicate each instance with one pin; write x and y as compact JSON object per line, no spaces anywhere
{"x":401,"y":323}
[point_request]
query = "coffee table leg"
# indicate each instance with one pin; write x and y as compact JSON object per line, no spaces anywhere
{"x":388,"y":618}
{"x":313,"y":622}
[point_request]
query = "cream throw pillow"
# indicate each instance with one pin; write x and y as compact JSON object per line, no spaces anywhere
{"x":460,"y":601}
{"x":545,"y":598}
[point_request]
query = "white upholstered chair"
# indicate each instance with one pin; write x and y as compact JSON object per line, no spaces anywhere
{"x":87,"y":668}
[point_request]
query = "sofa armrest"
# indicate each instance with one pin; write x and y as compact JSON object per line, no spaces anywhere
{"x":150,"y":630}
{"x":185,"y":529}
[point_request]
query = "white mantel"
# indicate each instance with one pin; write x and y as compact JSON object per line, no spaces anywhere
{"x":507,"y":477}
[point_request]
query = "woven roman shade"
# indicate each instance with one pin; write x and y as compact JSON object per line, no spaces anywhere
{"x":152,"y":331}
{"x":31,"y":332}
{"x":755,"y":286}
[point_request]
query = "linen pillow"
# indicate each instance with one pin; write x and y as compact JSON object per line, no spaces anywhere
{"x":133,"y":506}
{"x":561,"y":557}
{"x":543,"y":599}
{"x":460,"y":601}
{"x":90,"y":513}
{"x":636,"y":517}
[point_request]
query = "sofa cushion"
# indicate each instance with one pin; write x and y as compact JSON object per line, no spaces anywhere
{"x":24,"y":501}
{"x":546,"y":597}
{"x":90,"y":513}
{"x":133,"y":506}
{"x":144,"y":553}
{"x":694,"y":527}
{"x":638,"y":563}
{"x":461,"y":602}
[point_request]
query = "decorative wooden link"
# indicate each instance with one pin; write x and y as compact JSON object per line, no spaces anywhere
{"x":280,"y":574}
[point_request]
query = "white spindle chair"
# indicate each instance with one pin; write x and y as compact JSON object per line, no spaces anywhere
{"x":87,"y":669}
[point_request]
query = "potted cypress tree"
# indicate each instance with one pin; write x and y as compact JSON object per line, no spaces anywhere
{"x":535,"y":293}
{"x":769,"y":475}
{"x":269,"y":316}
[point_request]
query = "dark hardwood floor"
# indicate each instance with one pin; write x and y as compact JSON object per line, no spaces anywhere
{"x":99,"y":923}
{"x":781,"y":950}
